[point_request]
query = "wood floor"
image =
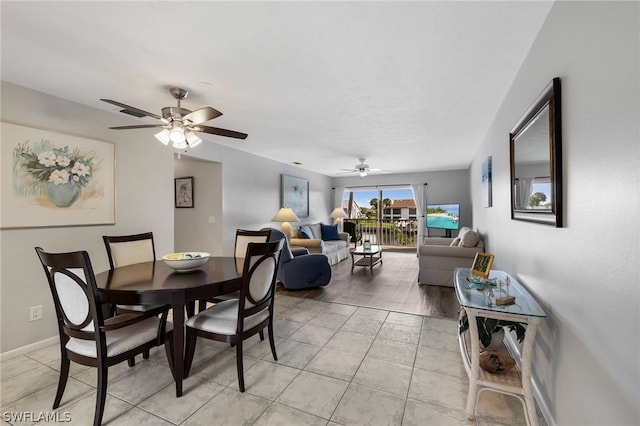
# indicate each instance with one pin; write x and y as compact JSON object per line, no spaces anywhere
{"x":393,"y":286}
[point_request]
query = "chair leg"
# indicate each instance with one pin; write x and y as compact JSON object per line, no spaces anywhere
{"x":103,"y":373}
{"x":190,"y":350}
{"x":62,"y":381}
{"x":261,"y":333}
{"x":131,"y":361}
{"x":145,"y":354}
{"x":240,"y":365}
{"x":272,"y":342}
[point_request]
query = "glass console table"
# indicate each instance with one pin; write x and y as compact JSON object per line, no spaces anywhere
{"x":525,"y":310}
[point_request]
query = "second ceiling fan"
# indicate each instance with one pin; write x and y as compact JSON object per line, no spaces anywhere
{"x":178,"y":124}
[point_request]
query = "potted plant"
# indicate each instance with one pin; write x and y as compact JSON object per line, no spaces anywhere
{"x":488,"y":326}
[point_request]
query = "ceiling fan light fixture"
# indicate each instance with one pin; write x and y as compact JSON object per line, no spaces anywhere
{"x":192,"y":139}
{"x":362,"y":173}
{"x":177,"y":135}
{"x":164,"y":136}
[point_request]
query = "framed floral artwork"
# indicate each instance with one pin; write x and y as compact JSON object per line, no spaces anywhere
{"x":55,"y":179}
{"x":184,"y":192}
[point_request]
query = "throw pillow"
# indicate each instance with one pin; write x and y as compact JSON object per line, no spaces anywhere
{"x":305,"y":233}
{"x":455,"y":242}
{"x":329,"y":232}
{"x":469,"y":239}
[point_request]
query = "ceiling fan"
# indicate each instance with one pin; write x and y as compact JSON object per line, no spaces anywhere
{"x":362,"y":169}
{"x":178,"y":124}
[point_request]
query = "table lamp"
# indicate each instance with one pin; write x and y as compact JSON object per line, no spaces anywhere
{"x":338,"y":214}
{"x":285,"y":215}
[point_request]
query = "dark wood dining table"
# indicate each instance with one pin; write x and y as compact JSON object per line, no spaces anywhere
{"x":154,"y":283}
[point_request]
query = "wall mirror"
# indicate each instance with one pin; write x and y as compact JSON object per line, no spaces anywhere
{"x":536,"y":161}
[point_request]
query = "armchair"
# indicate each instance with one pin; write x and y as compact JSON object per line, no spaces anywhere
{"x":298,"y":268}
{"x":438,"y":257}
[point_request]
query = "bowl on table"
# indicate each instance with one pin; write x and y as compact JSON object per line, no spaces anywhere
{"x":186,"y":261}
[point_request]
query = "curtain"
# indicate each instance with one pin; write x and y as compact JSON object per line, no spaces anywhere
{"x":338,"y":194}
{"x":420,"y":196}
{"x":523,"y":192}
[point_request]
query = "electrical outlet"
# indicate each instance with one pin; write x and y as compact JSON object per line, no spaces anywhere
{"x":35,"y":313}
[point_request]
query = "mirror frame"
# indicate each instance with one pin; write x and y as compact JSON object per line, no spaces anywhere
{"x":549,"y":97}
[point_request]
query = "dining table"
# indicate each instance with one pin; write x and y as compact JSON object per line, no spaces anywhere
{"x":155,"y":283}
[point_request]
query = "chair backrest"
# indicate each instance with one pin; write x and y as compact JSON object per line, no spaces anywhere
{"x":75,"y":295}
{"x":258,"y":279}
{"x":124,"y":250}
{"x":244,"y":237}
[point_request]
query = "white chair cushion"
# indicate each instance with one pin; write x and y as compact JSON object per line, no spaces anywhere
{"x":222,"y":318}
{"x":120,"y":340}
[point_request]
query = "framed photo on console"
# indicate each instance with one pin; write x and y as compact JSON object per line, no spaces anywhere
{"x":482,"y":264}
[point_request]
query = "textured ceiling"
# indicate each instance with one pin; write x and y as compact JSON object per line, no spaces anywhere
{"x":410,"y":86}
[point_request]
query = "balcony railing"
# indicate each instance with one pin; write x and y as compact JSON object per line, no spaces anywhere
{"x":397,"y":233}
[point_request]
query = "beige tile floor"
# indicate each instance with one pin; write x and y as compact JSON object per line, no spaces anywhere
{"x":337,"y":365}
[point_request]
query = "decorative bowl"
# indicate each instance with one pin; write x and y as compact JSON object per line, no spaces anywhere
{"x":187,"y":261}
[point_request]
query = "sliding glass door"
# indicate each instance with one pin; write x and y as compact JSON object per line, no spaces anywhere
{"x":383,"y":215}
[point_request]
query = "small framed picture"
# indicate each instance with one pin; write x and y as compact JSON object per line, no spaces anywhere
{"x":184,"y":192}
{"x":482,"y":264}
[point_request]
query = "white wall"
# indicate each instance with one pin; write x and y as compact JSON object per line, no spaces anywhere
{"x":144,"y":171}
{"x":192,"y":230}
{"x":250,"y":196}
{"x":585,"y":274}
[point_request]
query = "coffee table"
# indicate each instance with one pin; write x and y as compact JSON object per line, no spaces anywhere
{"x":370,"y":257}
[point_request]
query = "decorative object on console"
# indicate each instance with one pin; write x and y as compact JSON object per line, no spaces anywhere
{"x":294,"y":193}
{"x":184,"y":192}
{"x":55,"y":179}
{"x":536,"y":161}
{"x":482,"y":264}
{"x":486,"y":183}
{"x":285,"y":215}
{"x":178,"y":123}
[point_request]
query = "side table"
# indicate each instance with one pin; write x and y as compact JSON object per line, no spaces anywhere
{"x":370,"y":257}
{"x":526,"y":310}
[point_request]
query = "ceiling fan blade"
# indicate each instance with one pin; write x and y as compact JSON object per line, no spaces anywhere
{"x":220,"y":132}
{"x":201,"y":115}
{"x":132,"y":110}
{"x":139,"y":126}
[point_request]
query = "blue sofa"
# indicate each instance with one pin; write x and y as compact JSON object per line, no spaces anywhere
{"x":298,"y":268}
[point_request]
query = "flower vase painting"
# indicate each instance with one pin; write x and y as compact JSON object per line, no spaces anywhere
{"x":55,"y":179}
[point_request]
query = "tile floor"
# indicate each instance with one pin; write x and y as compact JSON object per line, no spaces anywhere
{"x":337,"y":365}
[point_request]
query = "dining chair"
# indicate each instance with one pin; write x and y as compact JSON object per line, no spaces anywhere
{"x":243,"y":238}
{"x":123,"y":250}
{"x":235,"y":320}
{"x":86,"y":337}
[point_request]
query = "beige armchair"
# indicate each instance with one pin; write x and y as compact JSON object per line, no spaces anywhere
{"x":438,"y":257}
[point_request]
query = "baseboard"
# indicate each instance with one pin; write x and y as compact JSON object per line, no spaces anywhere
{"x":514,"y":349}
{"x":28,"y":348}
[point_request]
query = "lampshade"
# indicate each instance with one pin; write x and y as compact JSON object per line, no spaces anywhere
{"x":338,"y":213}
{"x":163,"y":136}
{"x":285,"y":215}
{"x":177,"y":135}
{"x":192,"y":139}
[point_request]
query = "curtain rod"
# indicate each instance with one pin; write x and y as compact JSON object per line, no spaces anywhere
{"x":375,"y":186}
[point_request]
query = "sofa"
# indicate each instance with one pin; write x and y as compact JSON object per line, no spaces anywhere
{"x":320,"y":238}
{"x":298,"y":269}
{"x":438,"y":257}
